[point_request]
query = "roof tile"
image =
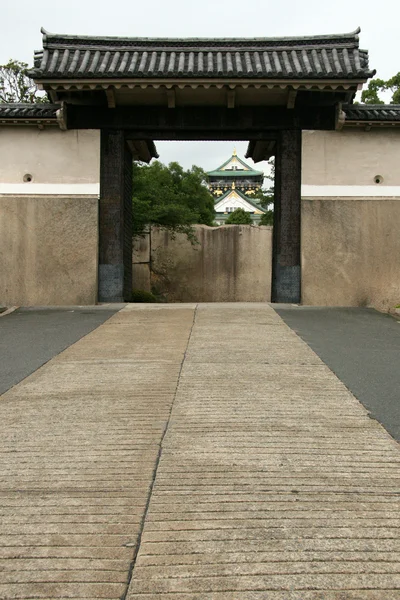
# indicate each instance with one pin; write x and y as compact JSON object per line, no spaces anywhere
{"x":372,"y":112}
{"x":317,"y":57}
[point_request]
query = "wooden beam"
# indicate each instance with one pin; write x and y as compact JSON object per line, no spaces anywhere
{"x":286,"y":270}
{"x":53,"y":96}
{"x":231,"y":98}
{"x":141,"y":150}
{"x":259,"y":150}
{"x":111,"y":99}
{"x":61,"y":115}
{"x":115,"y":218}
{"x":171,"y":98}
{"x":340,"y":117}
{"x":291,"y":100}
{"x":157,"y":122}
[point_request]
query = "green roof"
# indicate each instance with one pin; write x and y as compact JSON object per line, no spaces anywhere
{"x":239,"y":193}
{"x":237,"y":173}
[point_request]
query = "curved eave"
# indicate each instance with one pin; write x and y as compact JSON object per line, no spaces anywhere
{"x":236,"y":174}
{"x":372,"y":124}
{"x":143,"y":83}
{"x":22,"y":121}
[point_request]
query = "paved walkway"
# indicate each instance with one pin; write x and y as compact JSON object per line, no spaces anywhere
{"x":29,"y":337}
{"x":195,"y":453}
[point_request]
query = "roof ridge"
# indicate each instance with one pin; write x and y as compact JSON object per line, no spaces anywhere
{"x":352,"y":36}
{"x":370,"y":106}
{"x":220,"y":168}
{"x":32,"y":105}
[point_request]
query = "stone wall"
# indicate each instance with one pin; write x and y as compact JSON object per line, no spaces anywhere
{"x":48,"y":250}
{"x":351,"y":252}
{"x":231,"y":263}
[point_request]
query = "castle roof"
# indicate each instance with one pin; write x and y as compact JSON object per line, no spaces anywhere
{"x":331,"y":57}
{"x":240,"y":195}
{"x":235,"y":167}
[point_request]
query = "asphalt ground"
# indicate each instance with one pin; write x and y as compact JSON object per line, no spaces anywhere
{"x":30,"y":337}
{"x":362,"y":347}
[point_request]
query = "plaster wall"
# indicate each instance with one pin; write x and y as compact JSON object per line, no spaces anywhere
{"x":351,"y":157}
{"x":231,"y":263}
{"x":51,"y":156}
{"x":48,"y":250}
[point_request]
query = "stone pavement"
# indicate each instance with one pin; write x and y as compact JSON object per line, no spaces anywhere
{"x":195,"y":453}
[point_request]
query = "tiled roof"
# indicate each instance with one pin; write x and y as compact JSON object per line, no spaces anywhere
{"x":247,"y":171}
{"x":28,"y":111}
{"x":241,"y":195}
{"x":234,"y":174}
{"x":318,"y":57}
{"x":372,"y":112}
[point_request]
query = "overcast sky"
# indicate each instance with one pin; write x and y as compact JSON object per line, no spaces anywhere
{"x":20,"y":24}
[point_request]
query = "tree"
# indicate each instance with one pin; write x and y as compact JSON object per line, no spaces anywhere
{"x":239,"y":217}
{"x":16,"y":86}
{"x":267,"y":218}
{"x":371,"y":94}
{"x":171,"y":198}
{"x":393,"y":84}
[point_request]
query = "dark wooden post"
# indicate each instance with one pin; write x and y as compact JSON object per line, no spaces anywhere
{"x":115,"y":218}
{"x":286,"y":271}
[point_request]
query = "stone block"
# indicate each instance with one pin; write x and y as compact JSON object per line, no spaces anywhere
{"x":48,"y":250}
{"x":141,"y":277}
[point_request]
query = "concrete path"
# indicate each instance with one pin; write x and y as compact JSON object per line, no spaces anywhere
{"x":195,"y":453}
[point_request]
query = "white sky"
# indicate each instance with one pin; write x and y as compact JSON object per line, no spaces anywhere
{"x":379,"y":21}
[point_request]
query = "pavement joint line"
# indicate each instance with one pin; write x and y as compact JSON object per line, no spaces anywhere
{"x":154,"y":476}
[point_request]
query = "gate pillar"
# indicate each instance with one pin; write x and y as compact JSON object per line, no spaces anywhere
{"x":115,"y":218}
{"x":286,"y":272}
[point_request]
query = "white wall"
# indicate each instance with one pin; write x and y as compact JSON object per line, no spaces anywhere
{"x":60,"y":162}
{"x":351,"y":157}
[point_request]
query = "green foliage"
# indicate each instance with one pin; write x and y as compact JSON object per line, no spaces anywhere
{"x":239,"y":217}
{"x":16,"y":86}
{"x":171,"y":198}
{"x":265,"y":196}
{"x":267,"y":218}
{"x":393,"y":84}
{"x":142,"y":296}
{"x":371,"y":94}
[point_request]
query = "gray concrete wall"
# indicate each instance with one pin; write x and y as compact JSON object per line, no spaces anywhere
{"x":48,"y":250}
{"x":351,"y":252}
{"x":231,"y":263}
